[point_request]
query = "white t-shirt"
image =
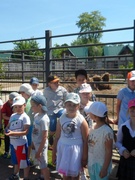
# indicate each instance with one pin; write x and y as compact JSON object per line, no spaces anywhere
{"x":16,"y":123}
{"x":71,"y":129}
{"x":96,"y":144}
{"x":41,"y":123}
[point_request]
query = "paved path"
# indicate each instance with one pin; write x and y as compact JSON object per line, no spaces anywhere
{"x":6,"y":169}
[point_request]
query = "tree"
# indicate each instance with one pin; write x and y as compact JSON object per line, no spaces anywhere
{"x":57,"y":53}
{"x":29,"y":48}
{"x":91,"y":22}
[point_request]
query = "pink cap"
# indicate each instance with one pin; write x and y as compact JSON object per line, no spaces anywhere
{"x":131,"y":103}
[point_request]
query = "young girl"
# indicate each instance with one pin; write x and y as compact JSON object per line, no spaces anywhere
{"x":40,"y":132}
{"x":126,"y":145}
{"x":70,"y":143}
{"x":100,"y":143}
{"x":123,"y":97}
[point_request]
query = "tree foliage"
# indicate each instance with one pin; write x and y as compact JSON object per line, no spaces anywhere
{"x":91,"y":22}
{"x":29,"y":48}
{"x":57,"y":53}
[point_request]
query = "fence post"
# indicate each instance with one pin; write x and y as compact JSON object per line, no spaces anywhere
{"x":48,"y":52}
{"x":134,"y":48}
{"x":23,"y":78}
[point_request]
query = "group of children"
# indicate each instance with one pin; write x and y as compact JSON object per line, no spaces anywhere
{"x":83,"y":136}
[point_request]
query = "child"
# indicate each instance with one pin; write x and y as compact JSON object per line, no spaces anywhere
{"x":126,"y":145}
{"x":34,"y":82}
{"x":17,"y":129}
{"x":85,"y":93}
{"x":81,"y":77}
{"x":6,"y":112}
{"x":40,"y":132}
{"x":27,"y":92}
{"x":100,"y":143}
{"x":70,"y":143}
{"x":123,"y":97}
{"x":55,"y":95}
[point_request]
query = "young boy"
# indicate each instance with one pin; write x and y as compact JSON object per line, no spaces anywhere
{"x":55,"y":95}
{"x":40,"y":133}
{"x":81,"y":78}
{"x":34,"y":82}
{"x":6,"y":112}
{"x":17,"y":129}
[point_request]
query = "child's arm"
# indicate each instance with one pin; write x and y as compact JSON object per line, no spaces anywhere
{"x":18,"y":133}
{"x":42,"y":144}
{"x":108,"y":157}
{"x":85,"y":132}
{"x":117,"y":111}
{"x":57,"y":136}
{"x":122,"y":150}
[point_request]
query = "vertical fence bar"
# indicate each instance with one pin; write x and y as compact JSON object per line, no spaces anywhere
{"x":23,"y":78}
{"x":48,"y":52}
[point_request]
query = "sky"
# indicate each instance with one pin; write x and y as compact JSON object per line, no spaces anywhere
{"x":22,"y":19}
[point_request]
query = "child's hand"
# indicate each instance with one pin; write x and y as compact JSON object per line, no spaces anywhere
{"x":133,"y":152}
{"x":126,"y":154}
{"x":37,"y":155}
{"x":7,"y":132}
{"x":103,"y":173}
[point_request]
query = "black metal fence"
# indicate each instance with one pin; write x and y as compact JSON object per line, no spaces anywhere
{"x":17,"y":71}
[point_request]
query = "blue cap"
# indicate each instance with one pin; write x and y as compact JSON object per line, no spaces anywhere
{"x":40,"y":99}
{"x":34,"y":80}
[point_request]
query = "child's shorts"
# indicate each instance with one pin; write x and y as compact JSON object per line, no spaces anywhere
{"x":19,"y":155}
{"x":53,"y":120}
{"x":43,"y":160}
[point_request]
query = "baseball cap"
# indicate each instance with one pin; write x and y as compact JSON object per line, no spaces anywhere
{"x":19,"y":100}
{"x":26,"y":88}
{"x":131,"y":75}
{"x":131,"y":103}
{"x":85,"y":88}
{"x":73,"y":97}
{"x":52,"y":79}
{"x":13,"y":95}
{"x":97,"y":108}
{"x":81,"y":72}
{"x":34,"y":80}
{"x":40,"y":99}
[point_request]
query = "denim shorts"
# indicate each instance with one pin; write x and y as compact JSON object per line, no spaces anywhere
{"x":53,"y":120}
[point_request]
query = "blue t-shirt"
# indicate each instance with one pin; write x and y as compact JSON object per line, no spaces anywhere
{"x":124,"y":95}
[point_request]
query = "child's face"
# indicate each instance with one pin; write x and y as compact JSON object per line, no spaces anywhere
{"x":131,"y":85}
{"x":26,"y":96}
{"x":71,"y":108}
{"x":34,"y":86}
{"x":54,"y":85}
{"x":80,"y":80}
{"x":34,"y":107}
{"x":10,"y":101}
{"x":85,"y":96}
{"x":19,"y":109}
{"x":131,"y":112}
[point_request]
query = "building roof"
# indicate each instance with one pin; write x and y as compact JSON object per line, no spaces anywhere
{"x":116,"y":50}
{"x":79,"y":51}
